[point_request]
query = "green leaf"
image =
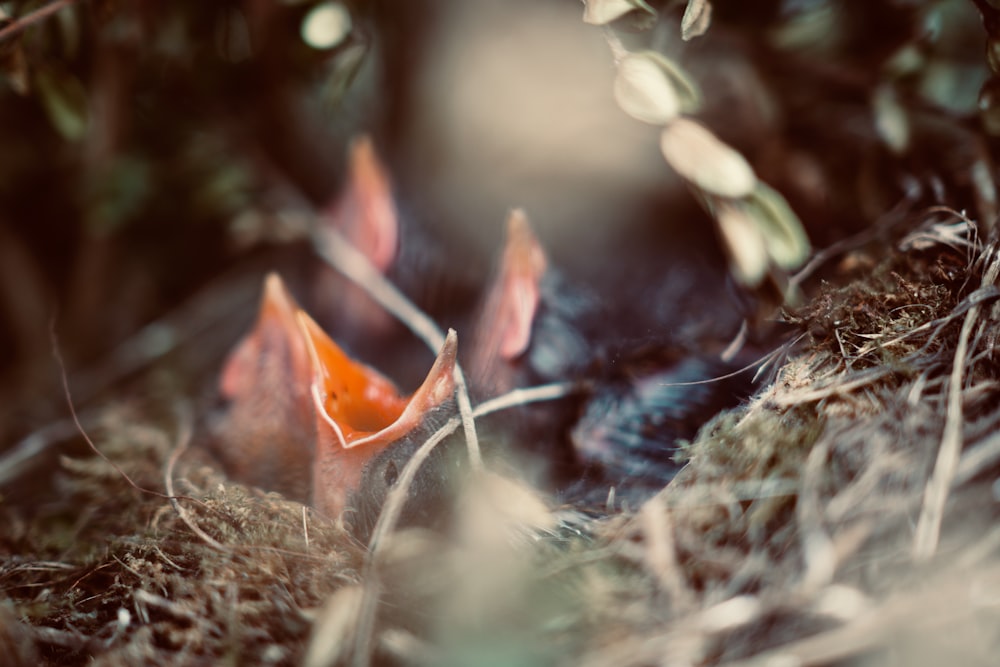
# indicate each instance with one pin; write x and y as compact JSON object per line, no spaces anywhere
{"x":64,"y":99}
{"x":784,"y":237}
{"x":117,"y":194}
{"x":891,"y":120}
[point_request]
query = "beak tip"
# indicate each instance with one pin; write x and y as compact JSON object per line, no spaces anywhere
{"x":523,"y":252}
{"x":277,"y":301}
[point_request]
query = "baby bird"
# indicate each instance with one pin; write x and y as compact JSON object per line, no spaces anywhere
{"x":369,"y":215}
{"x":308,"y":420}
{"x":635,"y":400}
{"x":359,"y":413}
{"x":305,"y":419}
{"x":620,"y":428}
{"x":265,"y":434}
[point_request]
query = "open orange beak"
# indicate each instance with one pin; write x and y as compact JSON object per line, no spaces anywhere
{"x":359,"y":412}
{"x":267,"y":436}
{"x":505,"y":323}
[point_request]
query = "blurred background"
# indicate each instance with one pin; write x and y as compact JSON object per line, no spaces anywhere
{"x":150,"y":153}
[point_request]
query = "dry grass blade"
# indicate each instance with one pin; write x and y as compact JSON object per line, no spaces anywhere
{"x":29,"y":452}
{"x":838,"y":386}
{"x":817,"y":546}
{"x":184,"y":431}
{"x":920,"y":616}
{"x":936,"y":494}
{"x":367,"y":603}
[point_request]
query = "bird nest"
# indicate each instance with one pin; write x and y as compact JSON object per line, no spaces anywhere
{"x":845,"y":514}
{"x":847,"y":511}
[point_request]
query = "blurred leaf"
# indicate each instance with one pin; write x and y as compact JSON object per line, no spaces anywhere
{"x":651,"y":88}
{"x":602,"y":12}
{"x":696,"y":20}
{"x":784,"y":237}
{"x":891,"y":120}
{"x":708,"y":163}
{"x":744,"y":243}
{"x":951,"y":85}
{"x":907,"y":60}
{"x":118,"y":194}
{"x":643,"y":91}
{"x":232,"y":36}
{"x":216,"y":184}
{"x":989,"y":107}
{"x":326,"y":25}
{"x":69,"y":29}
{"x":345,"y":68}
{"x":64,"y":99}
{"x":993,"y":55}
{"x":685,"y":87}
{"x":222,"y":190}
{"x":334,"y":627}
{"x":981,"y":177}
{"x":816,"y":28}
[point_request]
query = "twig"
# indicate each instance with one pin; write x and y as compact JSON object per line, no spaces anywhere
{"x":57,"y":354}
{"x":28,"y":20}
{"x":338,"y":252}
{"x":397,"y":498}
{"x":93,"y":447}
{"x":175,"y":609}
{"x":216,"y":305}
{"x":545,"y":392}
{"x":67,"y":639}
{"x":706,"y":494}
{"x":26,"y":454}
{"x":305,"y":526}
{"x":888,"y":221}
{"x":468,"y":421}
{"x":618,"y":50}
{"x":982,"y":295}
{"x":862,"y":378}
{"x":183,"y":439}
